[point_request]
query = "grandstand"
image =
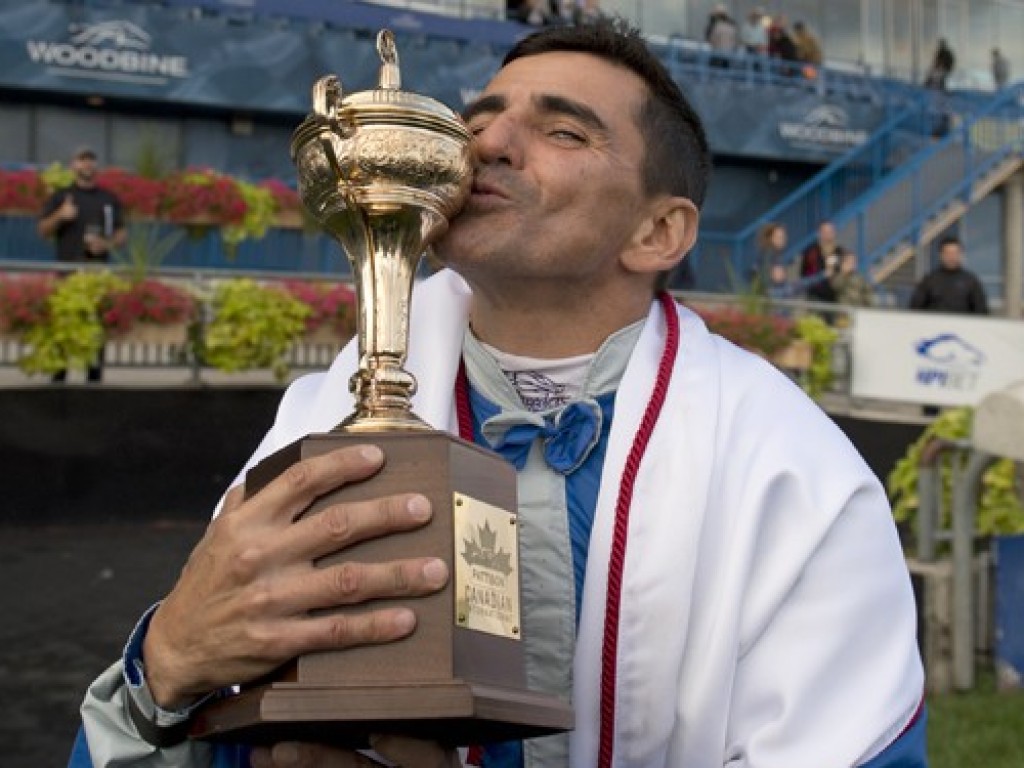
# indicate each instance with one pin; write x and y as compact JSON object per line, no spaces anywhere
{"x":222,"y":83}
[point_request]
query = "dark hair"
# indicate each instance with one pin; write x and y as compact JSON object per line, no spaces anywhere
{"x":676,"y":157}
{"x":950,"y":240}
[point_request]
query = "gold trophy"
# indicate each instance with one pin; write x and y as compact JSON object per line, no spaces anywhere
{"x":383,"y":171}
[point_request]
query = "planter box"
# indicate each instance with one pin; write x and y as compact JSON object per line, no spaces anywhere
{"x":175,"y":334}
{"x":796,"y":356}
{"x":323,"y":336}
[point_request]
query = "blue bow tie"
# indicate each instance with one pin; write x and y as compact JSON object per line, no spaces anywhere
{"x":569,"y":434}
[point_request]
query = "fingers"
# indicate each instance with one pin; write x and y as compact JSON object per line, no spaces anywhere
{"x":342,"y":525}
{"x":414,"y":753}
{"x":300,"y":755}
{"x":395,"y":750}
{"x":288,"y":495}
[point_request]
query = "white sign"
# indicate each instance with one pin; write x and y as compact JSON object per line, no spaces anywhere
{"x":932,"y":358}
{"x":824,"y":126}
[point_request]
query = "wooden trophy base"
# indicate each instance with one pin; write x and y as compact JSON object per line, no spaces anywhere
{"x":459,"y":678}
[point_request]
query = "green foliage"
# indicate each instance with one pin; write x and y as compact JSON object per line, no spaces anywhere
{"x":1000,"y":510}
{"x":72,"y":334}
{"x":55,"y":176}
{"x":260,"y":210}
{"x":146,"y":249}
{"x":252,"y":327}
{"x":822,"y":338}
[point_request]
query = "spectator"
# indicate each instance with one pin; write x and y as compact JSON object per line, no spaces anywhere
{"x":86,"y":222}
{"x":941,"y":67}
{"x":849,"y":286}
{"x":721,"y":34}
{"x":754,"y":33}
{"x":808,"y":49}
{"x":781,"y":45}
{"x":710,"y":572}
{"x":771,"y":246}
{"x":1000,"y":69}
{"x":821,"y":258}
{"x":949,"y":287}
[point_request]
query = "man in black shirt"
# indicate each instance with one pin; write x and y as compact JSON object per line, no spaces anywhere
{"x":86,"y":222}
{"x":949,"y":287}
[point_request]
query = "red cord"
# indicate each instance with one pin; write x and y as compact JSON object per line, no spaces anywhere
{"x":617,"y":560}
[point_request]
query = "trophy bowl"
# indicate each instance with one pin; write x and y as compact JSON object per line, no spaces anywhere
{"x":382,"y":171}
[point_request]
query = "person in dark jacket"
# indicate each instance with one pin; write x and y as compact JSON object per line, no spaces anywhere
{"x":949,"y":287}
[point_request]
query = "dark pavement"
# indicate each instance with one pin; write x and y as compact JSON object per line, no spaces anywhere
{"x":69,"y":598}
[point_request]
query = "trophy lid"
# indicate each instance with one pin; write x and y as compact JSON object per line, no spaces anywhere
{"x":389,"y":104}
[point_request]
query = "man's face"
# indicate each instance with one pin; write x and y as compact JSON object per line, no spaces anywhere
{"x":84,"y":167}
{"x":827,"y":233}
{"x":951,"y":255}
{"x":557,"y":193}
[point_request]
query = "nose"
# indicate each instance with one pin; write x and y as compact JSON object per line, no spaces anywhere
{"x":500,"y":141}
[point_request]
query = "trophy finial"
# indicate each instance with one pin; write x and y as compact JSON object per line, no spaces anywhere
{"x":390,"y":77}
{"x":327,"y":96}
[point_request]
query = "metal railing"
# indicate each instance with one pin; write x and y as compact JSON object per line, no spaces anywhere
{"x":882,"y":193}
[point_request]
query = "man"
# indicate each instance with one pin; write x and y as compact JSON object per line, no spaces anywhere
{"x":86,"y":223}
{"x":1000,"y":69}
{"x":821,"y":259}
{"x":712,"y":576}
{"x":949,"y":287}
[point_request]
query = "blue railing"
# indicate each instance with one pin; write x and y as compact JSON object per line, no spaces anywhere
{"x":823,"y":196}
{"x":694,"y":61}
{"x":846,"y":188}
{"x":942,"y":173}
{"x":281,"y":250}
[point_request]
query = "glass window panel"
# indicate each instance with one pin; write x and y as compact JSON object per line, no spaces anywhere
{"x":899,"y":39}
{"x":60,"y":130}
{"x":15,"y":133}
{"x":973,"y":60}
{"x":1011,"y":41}
{"x":149,"y":146}
{"x":697,"y":12}
{"x":840,"y":32}
{"x":873,"y":40}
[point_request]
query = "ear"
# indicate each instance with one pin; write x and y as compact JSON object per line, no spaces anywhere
{"x":663,"y":237}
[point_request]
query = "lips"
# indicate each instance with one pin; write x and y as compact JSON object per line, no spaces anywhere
{"x":484,"y":188}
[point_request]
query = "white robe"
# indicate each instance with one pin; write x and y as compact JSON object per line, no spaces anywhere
{"x":767,"y":619}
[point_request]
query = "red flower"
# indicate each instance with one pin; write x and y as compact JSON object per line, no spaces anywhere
{"x":203,"y":194}
{"x":149,"y":301}
{"x":285,"y":198}
{"x":21,"y":191}
{"x":333,"y":305}
{"x":138,"y":194}
{"x":23,"y":301}
{"x":762,"y":333}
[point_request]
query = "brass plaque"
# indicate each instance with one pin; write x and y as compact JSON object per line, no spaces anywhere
{"x":486,"y":568}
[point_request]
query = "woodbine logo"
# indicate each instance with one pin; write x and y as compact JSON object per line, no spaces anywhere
{"x":825,"y":127}
{"x":107,"y":50}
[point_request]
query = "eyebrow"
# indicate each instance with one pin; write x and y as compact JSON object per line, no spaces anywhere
{"x":546,"y":103}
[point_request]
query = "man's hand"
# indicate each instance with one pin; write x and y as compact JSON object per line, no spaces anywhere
{"x":396,"y":750}
{"x":242,"y":604}
{"x":67,"y":211}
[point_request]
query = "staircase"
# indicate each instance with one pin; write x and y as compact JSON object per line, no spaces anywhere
{"x":892,"y":225}
{"x":825,"y":195}
{"x":895,"y":194}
